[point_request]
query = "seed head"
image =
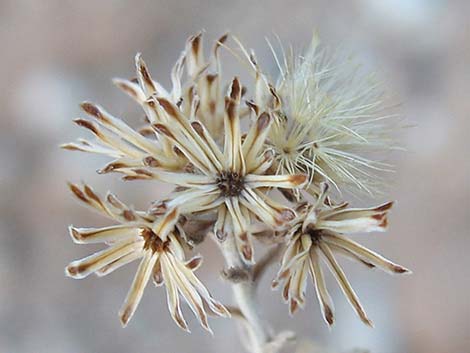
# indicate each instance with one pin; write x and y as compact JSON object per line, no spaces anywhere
{"x":224,"y":154}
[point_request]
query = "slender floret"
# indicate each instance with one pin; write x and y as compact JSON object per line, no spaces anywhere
{"x":157,"y":242}
{"x":316,"y":235}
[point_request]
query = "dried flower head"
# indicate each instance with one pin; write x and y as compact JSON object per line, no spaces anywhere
{"x":329,"y":119}
{"x":223,"y":175}
{"x":158,"y":242}
{"x":316,"y":234}
{"x":229,"y":182}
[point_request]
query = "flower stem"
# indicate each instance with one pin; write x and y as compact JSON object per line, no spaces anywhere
{"x":245,"y":295}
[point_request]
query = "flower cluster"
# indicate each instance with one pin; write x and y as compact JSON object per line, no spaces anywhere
{"x":226,"y":181}
{"x":316,"y":233}
{"x":157,"y":241}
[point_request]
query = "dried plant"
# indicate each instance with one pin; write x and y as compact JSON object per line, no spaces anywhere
{"x":314,"y":126}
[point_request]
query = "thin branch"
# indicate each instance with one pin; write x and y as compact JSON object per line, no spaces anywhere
{"x":245,"y":297}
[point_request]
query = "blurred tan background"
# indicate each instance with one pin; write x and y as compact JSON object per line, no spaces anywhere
{"x":58,"y":53}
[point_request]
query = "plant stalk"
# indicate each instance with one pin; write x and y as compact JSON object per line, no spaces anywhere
{"x":245,"y":296}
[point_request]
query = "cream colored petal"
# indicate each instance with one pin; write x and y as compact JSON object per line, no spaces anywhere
{"x":188,"y":147}
{"x":166,"y":224}
{"x":284,"y":214}
{"x":120,"y":128}
{"x":176,"y":75}
{"x":310,"y":219}
{"x":296,"y":253}
{"x":194,"y":263}
{"x":180,"y":130}
{"x":258,"y":206}
{"x":324,"y":298}
{"x":157,"y":274}
{"x":115,"y":202}
{"x":152,"y":110}
{"x":322,"y":196}
{"x":262,"y":163}
{"x":89,"y":147}
{"x":131,"y":89}
{"x":292,"y":249}
{"x":194,"y":103}
{"x":176,"y":246}
{"x":110,"y":140}
{"x":189,"y":293}
{"x":302,"y":285}
{"x":365,"y":254}
{"x":172,"y":294}
{"x":238,"y":222}
{"x":232,"y":146}
{"x":298,"y":284}
{"x":366,"y":224}
{"x":196,"y":200}
{"x":105,"y":234}
{"x":257,"y":134}
{"x":349,"y":254}
{"x":143,"y":76}
{"x":299,"y":257}
{"x":276,"y":181}
{"x":240,"y":227}
{"x":220,"y":229}
{"x":143,"y":173}
{"x":357,"y":220}
{"x":254,"y":141}
{"x":189,"y":180}
{"x":219,"y":43}
{"x":149,"y":86}
{"x":82,"y":268}
{"x":286,"y":290}
{"x":91,"y":199}
{"x":194,"y":56}
{"x":284,"y":271}
{"x":208,"y":145}
{"x":344,"y":284}
{"x":266,"y":209}
{"x":120,"y":164}
{"x":137,"y":288}
{"x":211,"y":103}
{"x":215,"y":306}
{"x":126,"y":259}
{"x":214,"y":149}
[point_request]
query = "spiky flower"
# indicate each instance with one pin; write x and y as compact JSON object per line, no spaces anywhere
{"x":223,"y":175}
{"x":158,"y":242}
{"x":316,"y":234}
{"x":329,"y":119}
{"x":229,"y":182}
